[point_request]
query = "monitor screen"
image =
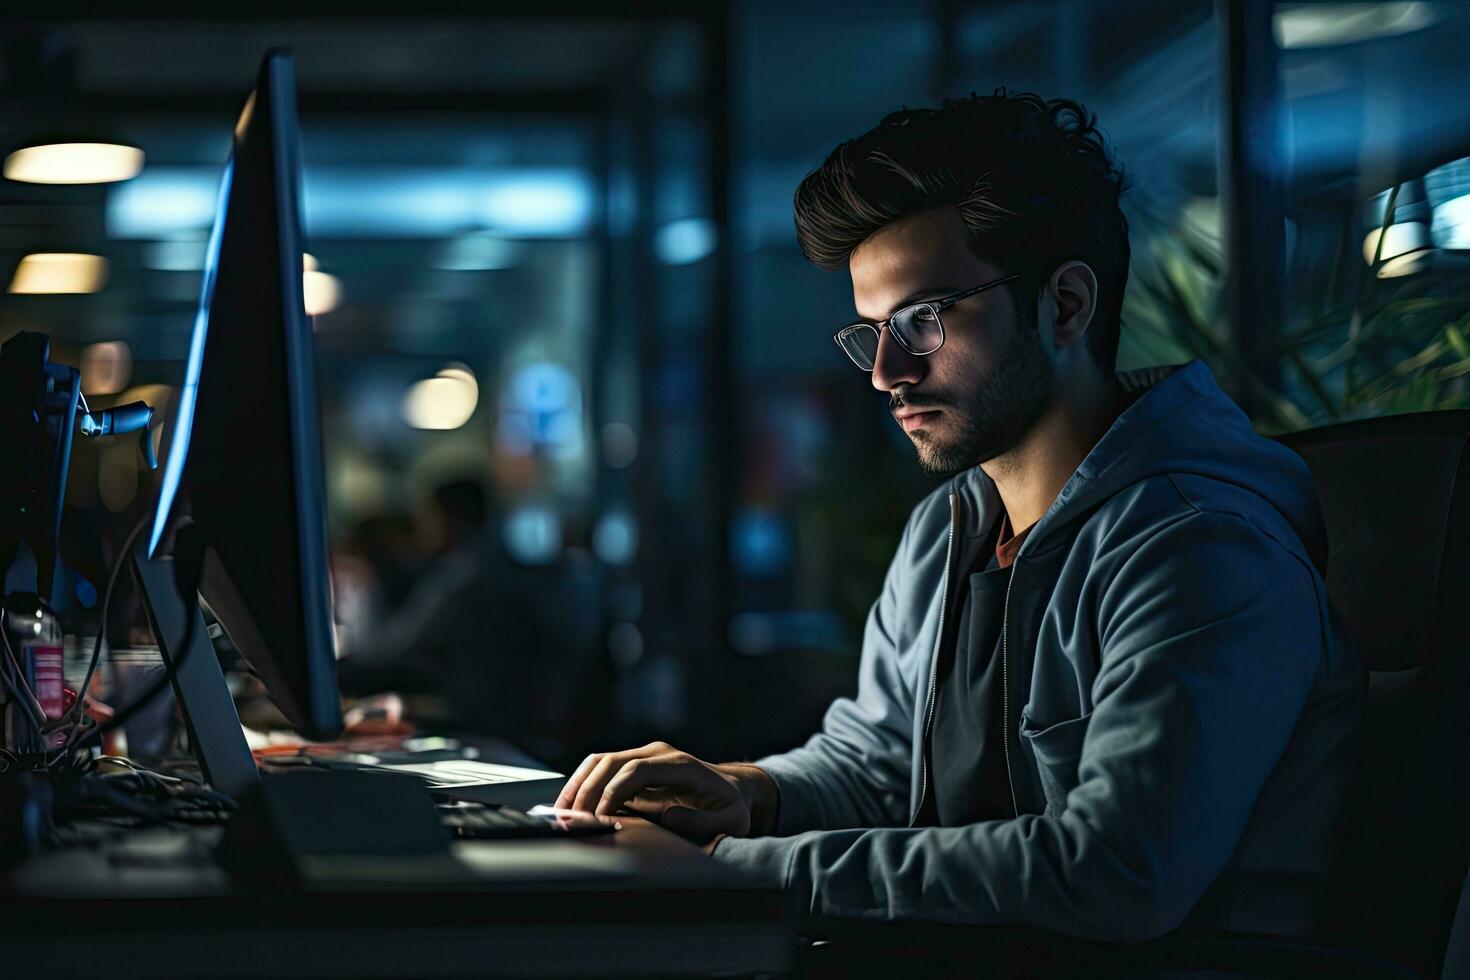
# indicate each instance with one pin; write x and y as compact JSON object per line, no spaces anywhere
{"x":244,"y":462}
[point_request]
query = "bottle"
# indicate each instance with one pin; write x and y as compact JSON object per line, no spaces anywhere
{"x":37,"y":682}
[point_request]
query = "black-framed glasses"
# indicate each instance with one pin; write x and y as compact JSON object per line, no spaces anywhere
{"x":917,"y":328}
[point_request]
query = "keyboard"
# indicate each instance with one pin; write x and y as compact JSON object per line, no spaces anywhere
{"x":480,"y":821}
{"x":469,"y":820}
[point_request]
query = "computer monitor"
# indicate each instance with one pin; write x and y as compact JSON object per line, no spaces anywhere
{"x":243,"y":471}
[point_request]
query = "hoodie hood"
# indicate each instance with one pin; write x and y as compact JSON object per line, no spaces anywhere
{"x":1182,"y":423}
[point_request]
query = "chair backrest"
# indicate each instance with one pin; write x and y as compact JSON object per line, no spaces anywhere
{"x":1457,"y":956}
{"x":1395,"y":495}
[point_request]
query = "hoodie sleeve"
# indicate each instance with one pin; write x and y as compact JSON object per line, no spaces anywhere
{"x":1210,"y":636}
{"x":855,"y":772}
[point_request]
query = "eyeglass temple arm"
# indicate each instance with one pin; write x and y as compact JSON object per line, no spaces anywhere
{"x":952,"y":300}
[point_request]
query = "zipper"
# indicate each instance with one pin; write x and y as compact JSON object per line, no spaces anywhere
{"x":1005,"y":689}
{"x":934,"y":665}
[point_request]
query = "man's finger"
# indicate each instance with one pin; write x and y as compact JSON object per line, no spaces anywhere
{"x":646,"y":805}
{"x":596,"y":782}
{"x":569,"y":791}
{"x":572,"y":791}
{"x":671,"y":771}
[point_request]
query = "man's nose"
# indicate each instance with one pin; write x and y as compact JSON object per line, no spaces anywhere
{"x":893,"y":366}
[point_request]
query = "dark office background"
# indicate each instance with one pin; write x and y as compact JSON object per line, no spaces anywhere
{"x":554,"y":257}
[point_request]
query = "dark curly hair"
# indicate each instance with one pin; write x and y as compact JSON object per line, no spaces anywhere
{"x":1033,"y":180}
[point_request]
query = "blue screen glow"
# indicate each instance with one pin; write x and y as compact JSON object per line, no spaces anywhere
{"x":178,"y":449}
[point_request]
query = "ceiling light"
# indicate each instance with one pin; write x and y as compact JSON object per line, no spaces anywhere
{"x":462,"y":373}
{"x":1406,"y":264}
{"x":321,"y":291}
{"x":59,"y":272}
{"x":1401,"y":238}
{"x":74,"y":163}
{"x":439,"y":403}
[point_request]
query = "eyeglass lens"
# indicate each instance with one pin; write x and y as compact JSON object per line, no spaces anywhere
{"x":916,"y":328}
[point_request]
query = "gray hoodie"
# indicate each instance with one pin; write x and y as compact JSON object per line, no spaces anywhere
{"x":1187,"y":746}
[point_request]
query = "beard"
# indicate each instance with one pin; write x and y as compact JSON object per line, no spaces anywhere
{"x":995,"y":414}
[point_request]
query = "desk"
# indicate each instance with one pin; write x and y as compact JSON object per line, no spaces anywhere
{"x":641,"y":902}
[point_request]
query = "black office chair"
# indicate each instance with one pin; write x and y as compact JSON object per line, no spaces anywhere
{"x":1395,"y":495}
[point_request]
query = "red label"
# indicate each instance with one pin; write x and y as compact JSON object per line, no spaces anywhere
{"x":49,"y":683}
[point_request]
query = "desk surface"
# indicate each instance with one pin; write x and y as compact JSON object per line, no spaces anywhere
{"x":638,"y":902}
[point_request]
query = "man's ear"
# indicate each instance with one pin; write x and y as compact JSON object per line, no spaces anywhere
{"x":1074,"y":288}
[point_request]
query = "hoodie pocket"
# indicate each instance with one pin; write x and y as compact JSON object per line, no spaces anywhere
{"x":1057,"y":749}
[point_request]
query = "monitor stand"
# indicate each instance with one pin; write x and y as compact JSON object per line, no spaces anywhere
{"x":307,"y":825}
{"x":208,"y":709}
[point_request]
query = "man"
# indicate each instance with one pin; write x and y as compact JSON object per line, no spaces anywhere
{"x":1102,"y":676}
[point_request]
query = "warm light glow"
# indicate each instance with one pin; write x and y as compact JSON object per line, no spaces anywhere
{"x":1400,"y":239}
{"x":74,"y":163}
{"x":440,"y":403}
{"x":59,"y":272}
{"x":106,"y":368}
{"x":243,"y":122}
{"x":1406,"y":264}
{"x":322,"y":292}
{"x":462,"y":373}
{"x":358,"y":484}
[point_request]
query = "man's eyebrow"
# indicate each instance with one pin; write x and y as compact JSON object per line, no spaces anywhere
{"x":914,"y":297}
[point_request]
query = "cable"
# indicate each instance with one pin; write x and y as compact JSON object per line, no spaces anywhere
{"x":136,"y":792}
{"x":123,"y":556}
{"x":137,"y":769}
{"x":179,"y":788}
{"x":171,"y":669}
{"x":15,"y":678}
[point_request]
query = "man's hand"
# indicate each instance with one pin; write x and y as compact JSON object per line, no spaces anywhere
{"x":694,"y":799}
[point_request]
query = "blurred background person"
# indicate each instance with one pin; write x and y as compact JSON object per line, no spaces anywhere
{"x":494,"y":638}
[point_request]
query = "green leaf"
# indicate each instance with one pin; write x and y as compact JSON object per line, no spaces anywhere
{"x":1457,"y":340}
